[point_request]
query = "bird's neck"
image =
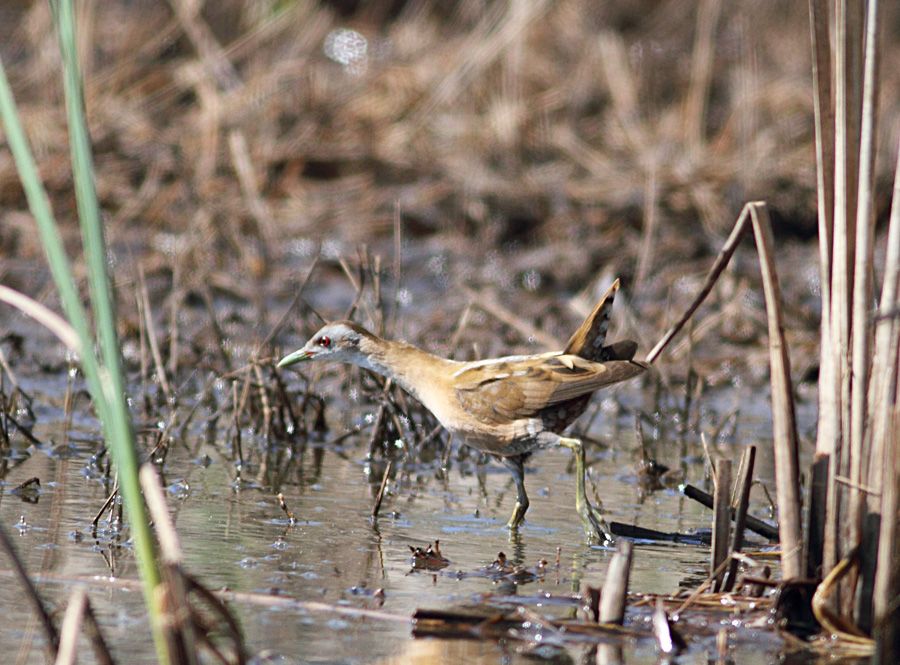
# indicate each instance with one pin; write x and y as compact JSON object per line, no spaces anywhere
{"x":410,"y":367}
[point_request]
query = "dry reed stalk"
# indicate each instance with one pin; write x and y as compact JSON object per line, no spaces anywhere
{"x":80,"y":617}
{"x":668,"y":640}
{"x":180,"y":633}
{"x":834,"y":624}
{"x":499,"y":28}
{"x":740,"y":503}
{"x":650,"y":221}
{"x":828,"y":437}
{"x":828,"y":422}
{"x":848,"y":105}
{"x":489,"y":304}
{"x":213,"y":57}
{"x":887,"y":578}
{"x":615,"y":586}
{"x":721,"y":520}
{"x":884,"y":476}
{"x":783,"y":419}
{"x":71,"y":627}
{"x":44,"y":316}
{"x":784,"y":426}
{"x":755,"y":525}
{"x":863,"y":278}
{"x":176,"y":297}
{"x":623,"y":86}
{"x":887,"y":331}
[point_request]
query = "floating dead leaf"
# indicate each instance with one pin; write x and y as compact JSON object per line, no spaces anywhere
{"x":429,"y":558}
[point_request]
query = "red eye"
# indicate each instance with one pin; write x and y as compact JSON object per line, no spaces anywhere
{"x":325,"y":341}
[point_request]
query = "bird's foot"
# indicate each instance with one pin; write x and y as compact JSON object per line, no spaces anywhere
{"x":595,"y":527}
{"x":517,"y":517}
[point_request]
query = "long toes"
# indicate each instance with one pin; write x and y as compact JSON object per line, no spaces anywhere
{"x":595,"y":527}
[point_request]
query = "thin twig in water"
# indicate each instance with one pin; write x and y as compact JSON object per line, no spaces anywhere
{"x":380,"y":496}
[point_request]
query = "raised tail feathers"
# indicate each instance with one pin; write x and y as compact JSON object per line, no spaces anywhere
{"x":589,"y":341}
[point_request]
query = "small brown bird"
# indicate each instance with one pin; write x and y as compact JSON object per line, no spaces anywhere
{"x":508,"y":407}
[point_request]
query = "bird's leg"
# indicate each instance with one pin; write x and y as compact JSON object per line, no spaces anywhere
{"x":516,"y":465}
{"x":594,"y":524}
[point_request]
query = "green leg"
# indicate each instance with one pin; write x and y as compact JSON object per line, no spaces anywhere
{"x":594,"y":524}
{"x":516,"y":465}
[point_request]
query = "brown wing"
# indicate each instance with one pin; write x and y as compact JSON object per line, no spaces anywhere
{"x":499,"y":393}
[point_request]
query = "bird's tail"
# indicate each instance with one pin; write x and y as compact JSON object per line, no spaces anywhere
{"x":589,"y":341}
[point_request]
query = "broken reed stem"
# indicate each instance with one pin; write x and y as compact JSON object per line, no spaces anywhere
{"x":80,"y":617}
{"x":834,"y":623}
{"x":784,"y":426}
{"x":71,"y":628}
{"x":783,"y":421}
{"x":755,"y":525}
{"x":741,"y":503}
{"x":884,"y":474}
{"x":668,"y":640}
{"x":724,"y":256}
{"x":721,"y":520}
{"x":172,"y":593}
{"x":169,"y":545}
{"x":615,"y":585}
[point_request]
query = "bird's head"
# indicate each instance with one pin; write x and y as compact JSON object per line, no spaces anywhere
{"x":341,"y":341}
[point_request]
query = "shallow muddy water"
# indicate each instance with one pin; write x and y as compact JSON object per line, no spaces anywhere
{"x":235,"y":535}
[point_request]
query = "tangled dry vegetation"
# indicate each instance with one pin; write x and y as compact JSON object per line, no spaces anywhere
{"x":567,"y":138}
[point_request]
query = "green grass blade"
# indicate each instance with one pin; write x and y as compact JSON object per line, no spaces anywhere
{"x":119,"y":430}
{"x":102,"y":301}
{"x":60,"y":268}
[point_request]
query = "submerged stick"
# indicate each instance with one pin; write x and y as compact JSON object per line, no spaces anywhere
{"x":755,"y":525}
